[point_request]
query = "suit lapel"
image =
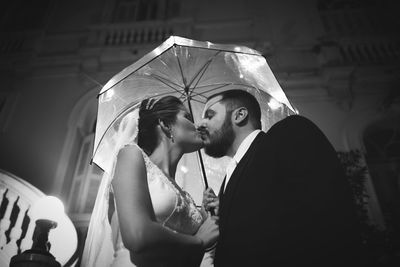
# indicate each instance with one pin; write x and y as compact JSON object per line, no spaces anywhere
{"x":221,"y":189}
{"x":237,"y":177}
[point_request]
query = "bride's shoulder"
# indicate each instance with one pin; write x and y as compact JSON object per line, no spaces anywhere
{"x":131,"y":152}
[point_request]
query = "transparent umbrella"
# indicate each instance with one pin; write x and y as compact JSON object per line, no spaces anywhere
{"x":190,"y":70}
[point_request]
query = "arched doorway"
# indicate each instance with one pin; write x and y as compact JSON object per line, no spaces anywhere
{"x":78,"y":180}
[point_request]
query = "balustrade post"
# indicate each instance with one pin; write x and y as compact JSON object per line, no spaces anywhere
{"x":5,"y":222}
{"x":26,"y":243}
{"x":11,"y":248}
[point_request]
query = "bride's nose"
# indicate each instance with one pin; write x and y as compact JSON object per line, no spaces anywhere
{"x":201,"y":125}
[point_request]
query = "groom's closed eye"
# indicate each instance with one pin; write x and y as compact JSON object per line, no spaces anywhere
{"x":208,"y":114}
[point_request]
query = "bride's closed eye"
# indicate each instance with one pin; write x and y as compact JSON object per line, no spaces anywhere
{"x":188,"y":117}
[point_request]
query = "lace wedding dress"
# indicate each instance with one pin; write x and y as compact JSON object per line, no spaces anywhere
{"x":173,"y":207}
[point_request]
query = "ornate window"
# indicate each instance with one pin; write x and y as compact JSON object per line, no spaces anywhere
{"x":77,"y":179}
{"x":86,"y":178}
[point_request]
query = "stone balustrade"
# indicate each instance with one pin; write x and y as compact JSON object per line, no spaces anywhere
{"x":359,"y":52}
{"x":136,"y":33}
{"x":17,"y":225}
{"x":19,"y":42}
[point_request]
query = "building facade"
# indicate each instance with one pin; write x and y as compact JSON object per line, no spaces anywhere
{"x":338,"y":62}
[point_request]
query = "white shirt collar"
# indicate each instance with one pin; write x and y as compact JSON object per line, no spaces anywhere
{"x":244,"y":146}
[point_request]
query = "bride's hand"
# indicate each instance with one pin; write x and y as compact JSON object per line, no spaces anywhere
{"x":210,"y":201}
{"x":208,"y":232}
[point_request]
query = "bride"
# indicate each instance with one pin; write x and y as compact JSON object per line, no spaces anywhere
{"x":155,"y":222}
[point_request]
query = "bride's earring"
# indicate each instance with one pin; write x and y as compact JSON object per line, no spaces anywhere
{"x":171,"y":136}
{"x":167,"y":130}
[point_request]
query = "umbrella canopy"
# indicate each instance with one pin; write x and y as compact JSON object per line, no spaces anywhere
{"x":191,"y":70}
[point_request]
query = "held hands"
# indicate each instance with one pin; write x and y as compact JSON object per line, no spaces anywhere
{"x":208,"y":232}
{"x":210,"y":201}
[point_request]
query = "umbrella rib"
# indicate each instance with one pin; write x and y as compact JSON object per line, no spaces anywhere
{"x":214,"y":88}
{"x":181,"y":70}
{"x":167,"y":84}
{"x":163,"y":94}
{"x":202,"y":71}
{"x":200,"y":74}
{"x":204,"y":92}
{"x":110,"y":125}
{"x":160,"y":78}
{"x":198,"y":94}
{"x":197,"y":100}
{"x":214,"y":84}
{"x":223,"y":85}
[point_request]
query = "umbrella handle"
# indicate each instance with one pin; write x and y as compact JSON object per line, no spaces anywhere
{"x":203,"y":171}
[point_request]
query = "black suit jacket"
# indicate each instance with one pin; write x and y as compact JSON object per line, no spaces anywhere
{"x":288,"y":203}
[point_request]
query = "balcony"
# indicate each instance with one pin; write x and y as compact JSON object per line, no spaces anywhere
{"x":139,"y":33}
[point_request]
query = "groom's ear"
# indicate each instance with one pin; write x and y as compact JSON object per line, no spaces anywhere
{"x":240,"y":115}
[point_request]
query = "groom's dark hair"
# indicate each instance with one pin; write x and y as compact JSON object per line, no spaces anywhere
{"x":233,"y":99}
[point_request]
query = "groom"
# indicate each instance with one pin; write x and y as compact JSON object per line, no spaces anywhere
{"x":285,"y":200}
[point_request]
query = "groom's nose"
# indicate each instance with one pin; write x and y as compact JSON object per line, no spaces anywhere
{"x":201,"y":126}
{"x":200,"y":122}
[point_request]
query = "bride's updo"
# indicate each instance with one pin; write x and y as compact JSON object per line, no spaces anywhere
{"x":152,"y":111}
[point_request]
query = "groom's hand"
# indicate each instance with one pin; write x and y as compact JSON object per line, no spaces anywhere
{"x":210,"y":201}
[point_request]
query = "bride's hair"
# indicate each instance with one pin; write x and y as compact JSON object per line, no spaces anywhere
{"x":151,"y":112}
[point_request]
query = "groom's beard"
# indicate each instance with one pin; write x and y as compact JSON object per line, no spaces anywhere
{"x":221,"y":140}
